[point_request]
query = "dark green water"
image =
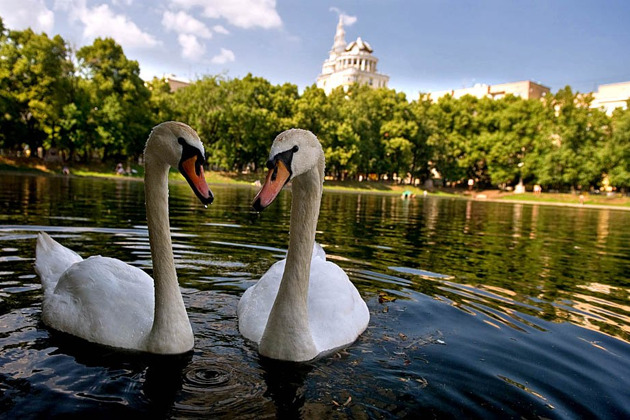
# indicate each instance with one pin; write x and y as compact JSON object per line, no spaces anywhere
{"x":477,"y":309}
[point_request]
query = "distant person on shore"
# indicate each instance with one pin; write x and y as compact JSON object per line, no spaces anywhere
{"x":120,"y":170}
{"x":471,"y":182}
{"x":537,"y":189}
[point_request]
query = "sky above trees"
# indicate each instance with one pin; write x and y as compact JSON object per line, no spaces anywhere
{"x":422,"y":45}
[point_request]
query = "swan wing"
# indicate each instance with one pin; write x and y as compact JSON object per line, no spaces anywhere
{"x":318,"y":252}
{"x":102,"y":300}
{"x":256,"y":303}
{"x":51,"y":260}
{"x":337,"y":313}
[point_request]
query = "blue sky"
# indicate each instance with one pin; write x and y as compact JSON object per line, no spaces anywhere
{"x":423,"y":45}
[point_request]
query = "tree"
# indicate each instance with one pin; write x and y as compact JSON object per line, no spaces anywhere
{"x":314,"y":111}
{"x":424,"y":129}
{"x":238,"y":117}
{"x":520,"y":125}
{"x":77,"y":133}
{"x":616,"y":151}
{"x":201,"y":106}
{"x":578,"y":133}
{"x":161,"y":102}
{"x":255,"y":112}
{"x":121,"y":111}
{"x":35,"y":73}
{"x":451,"y":141}
{"x":363,"y":113}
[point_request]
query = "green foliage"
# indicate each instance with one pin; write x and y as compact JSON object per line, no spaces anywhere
{"x":161,"y":103}
{"x":122,"y":107}
{"x":101,"y":107}
{"x":616,"y":150}
{"x":518,"y":129}
{"x":237,"y":117}
{"x":578,"y":133}
{"x":34,"y":77}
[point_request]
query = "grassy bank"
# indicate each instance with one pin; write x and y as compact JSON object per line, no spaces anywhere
{"x":573,"y":199}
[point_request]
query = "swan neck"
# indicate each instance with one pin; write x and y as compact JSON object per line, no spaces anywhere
{"x":170,"y":318}
{"x":287,"y":335}
{"x":306,"y":199}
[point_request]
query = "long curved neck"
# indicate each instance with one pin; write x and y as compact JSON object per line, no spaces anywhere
{"x":171,"y":331}
{"x":287,"y":335}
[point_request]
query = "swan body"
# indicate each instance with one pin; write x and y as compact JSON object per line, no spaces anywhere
{"x":85,"y":297}
{"x":303,"y":306}
{"x":331,"y":298}
{"x":106,"y":301}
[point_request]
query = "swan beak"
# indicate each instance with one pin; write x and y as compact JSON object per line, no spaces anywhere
{"x":192,"y":170}
{"x":277,"y":176}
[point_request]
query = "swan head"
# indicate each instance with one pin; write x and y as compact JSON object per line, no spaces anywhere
{"x":293,"y":153}
{"x":178,"y":145}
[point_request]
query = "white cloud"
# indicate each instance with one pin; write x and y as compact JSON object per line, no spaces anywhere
{"x":242,"y":13}
{"x":220,"y":29}
{"x":225,"y":56}
{"x":33,"y":14}
{"x":183,"y":23}
{"x":347,"y":19}
{"x":191,"y":47}
{"x":101,"y":21}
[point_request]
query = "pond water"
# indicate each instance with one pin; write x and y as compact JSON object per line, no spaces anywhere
{"x":478,"y":309}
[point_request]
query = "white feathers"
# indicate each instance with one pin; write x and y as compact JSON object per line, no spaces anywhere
{"x":337,"y":313}
{"x":52,"y":260}
{"x":304,"y":305}
{"x":100,"y":299}
{"x":106,"y":301}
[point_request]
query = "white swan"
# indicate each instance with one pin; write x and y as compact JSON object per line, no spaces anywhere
{"x":303,"y":306}
{"x":104,"y":300}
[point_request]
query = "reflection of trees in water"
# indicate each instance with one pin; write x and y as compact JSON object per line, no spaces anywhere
{"x":538,"y":257}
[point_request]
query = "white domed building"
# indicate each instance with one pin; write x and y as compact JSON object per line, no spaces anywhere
{"x":350,"y":63}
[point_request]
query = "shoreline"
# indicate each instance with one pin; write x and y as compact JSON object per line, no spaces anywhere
{"x":557,"y":204}
{"x":417,"y":193}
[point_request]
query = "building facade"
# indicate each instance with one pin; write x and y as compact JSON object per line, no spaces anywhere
{"x":350,"y":63}
{"x":176,"y":83}
{"x":607,"y":98}
{"x":611,"y":96}
{"x":525,"y":89}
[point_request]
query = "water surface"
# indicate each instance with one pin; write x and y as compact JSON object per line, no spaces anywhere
{"x":477,"y":309}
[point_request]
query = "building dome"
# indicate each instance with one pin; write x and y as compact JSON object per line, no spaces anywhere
{"x":349,"y":64}
{"x":359,"y":46}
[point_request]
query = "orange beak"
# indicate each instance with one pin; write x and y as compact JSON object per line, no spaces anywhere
{"x":276,"y":178}
{"x":192,"y":170}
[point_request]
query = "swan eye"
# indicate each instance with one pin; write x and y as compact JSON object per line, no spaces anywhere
{"x":295,"y":148}
{"x":181,"y":140}
{"x":198,"y":166}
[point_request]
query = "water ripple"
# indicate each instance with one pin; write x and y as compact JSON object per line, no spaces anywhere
{"x":241,"y":245}
{"x":422,"y":273}
{"x":206,"y":379}
{"x":216,"y":387}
